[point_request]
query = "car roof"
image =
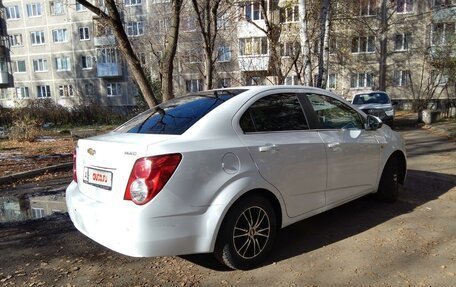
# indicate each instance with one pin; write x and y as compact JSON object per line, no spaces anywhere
{"x":371,"y":92}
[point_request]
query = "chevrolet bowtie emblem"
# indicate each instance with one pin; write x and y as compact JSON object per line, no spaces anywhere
{"x":91,"y":151}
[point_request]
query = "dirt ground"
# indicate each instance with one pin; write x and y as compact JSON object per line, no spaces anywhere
{"x":364,"y":243}
{"x":18,"y":156}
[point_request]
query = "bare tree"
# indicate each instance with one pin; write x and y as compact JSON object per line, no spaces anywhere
{"x":305,"y":44}
{"x":323,"y":50}
{"x":111,"y":18}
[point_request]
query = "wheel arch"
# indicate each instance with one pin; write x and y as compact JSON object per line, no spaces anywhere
{"x":275,"y":200}
{"x":402,"y":164}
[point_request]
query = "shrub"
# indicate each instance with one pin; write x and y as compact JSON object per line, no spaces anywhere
{"x":25,"y":128}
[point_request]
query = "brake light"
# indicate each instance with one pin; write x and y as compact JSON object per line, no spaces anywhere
{"x":75,"y":175}
{"x":149,"y":175}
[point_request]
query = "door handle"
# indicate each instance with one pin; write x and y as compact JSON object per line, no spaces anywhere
{"x":268,"y":147}
{"x":334,"y":146}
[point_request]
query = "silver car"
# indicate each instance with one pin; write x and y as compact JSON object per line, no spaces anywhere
{"x":222,"y":171}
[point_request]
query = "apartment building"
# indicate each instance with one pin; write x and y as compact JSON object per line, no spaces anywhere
{"x":6,"y":79}
{"x":58,"y":50}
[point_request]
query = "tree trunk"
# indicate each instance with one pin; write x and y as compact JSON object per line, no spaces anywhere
{"x":323,"y":48}
{"x":383,"y":45}
{"x":167,"y":63}
{"x":305,"y":46}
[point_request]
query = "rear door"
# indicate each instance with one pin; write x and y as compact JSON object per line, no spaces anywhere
{"x":288,"y":154}
{"x":353,"y":154}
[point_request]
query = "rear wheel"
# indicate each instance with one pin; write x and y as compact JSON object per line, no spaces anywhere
{"x":388,"y":189}
{"x":247,"y":233}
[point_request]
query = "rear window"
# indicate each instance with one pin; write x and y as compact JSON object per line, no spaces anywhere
{"x":371,"y":98}
{"x":177,"y":115}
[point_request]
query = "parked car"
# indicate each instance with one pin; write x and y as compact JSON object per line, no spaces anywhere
{"x":376,"y":103}
{"x":222,"y":171}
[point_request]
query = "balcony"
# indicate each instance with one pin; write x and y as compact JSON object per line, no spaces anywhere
{"x":104,"y":41}
{"x":109,"y":70}
{"x":253,"y":63}
{"x":6,"y":80}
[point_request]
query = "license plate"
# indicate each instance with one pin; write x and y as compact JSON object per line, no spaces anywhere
{"x":98,"y":178}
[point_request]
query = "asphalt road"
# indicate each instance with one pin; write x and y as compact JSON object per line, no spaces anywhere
{"x":364,"y":243}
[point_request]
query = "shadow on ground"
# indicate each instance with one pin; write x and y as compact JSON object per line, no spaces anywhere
{"x":349,"y":219}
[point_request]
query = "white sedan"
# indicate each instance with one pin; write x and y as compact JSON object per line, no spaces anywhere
{"x":221,"y":171}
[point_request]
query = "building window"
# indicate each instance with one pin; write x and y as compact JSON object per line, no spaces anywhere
{"x":22,"y":92}
{"x":290,"y":14}
{"x":253,"y":11}
{"x":442,"y":33}
{"x":43,"y":91}
{"x":37,"y":38}
{"x":290,"y":49}
{"x":80,"y":7}
{"x":84,"y":33}
{"x":62,"y":64}
{"x":16,"y":40}
{"x":363,"y":44}
{"x":224,"y":54}
{"x":188,"y":24}
{"x":113,"y":89}
{"x":19,"y":66}
{"x":135,"y":28}
{"x":332,"y":81}
{"x":192,"y":55}
{"x":108,"y":55}
{"x":254,"y":81}
{"x":163,"y":25}
{"x":12,"y":12}
{"x":66,"y":90}
{"x":362,"y":80}
{"x":34,"y":10}
{"x":86,"y":62}
{"x":438,"y":78}
{"x":253,"y":46}
{"x":402,"y":41}
{"x":89,"y":90}
{"x":37,"y":212}
{"x":404,"y":6}
{"x":332,"y":45}
{"x":222,"y":22}
{"x":291,"y":80}
{"x":224,"y":83}
{"x":60,"y":35}
{"x":194,"y":85}
{"x":40,"y":65}
{"x":57,"y":7}
{"x":132,"y":2}
{"x":365,"y":7}
{"x":441,"y":3}
{"x":401,"y":77}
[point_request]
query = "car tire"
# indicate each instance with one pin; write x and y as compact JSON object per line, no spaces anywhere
{"x":247,"y":233}
{"x":388,"y":189}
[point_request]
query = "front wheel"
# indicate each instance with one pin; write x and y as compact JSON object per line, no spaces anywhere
{"x":388,"y":189}
{"x":247,"y":233}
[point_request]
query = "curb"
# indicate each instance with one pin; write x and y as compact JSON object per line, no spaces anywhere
{"x":28,"y":174}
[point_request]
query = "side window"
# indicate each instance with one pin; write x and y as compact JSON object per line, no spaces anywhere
{"x":333,"y":114}
{"x":281,"y":112}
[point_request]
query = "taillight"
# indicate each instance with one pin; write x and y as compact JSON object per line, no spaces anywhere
{"x":149,"y":175}
{"x":75,"y":175}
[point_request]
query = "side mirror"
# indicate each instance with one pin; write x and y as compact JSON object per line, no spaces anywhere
{"x":373,"y":123}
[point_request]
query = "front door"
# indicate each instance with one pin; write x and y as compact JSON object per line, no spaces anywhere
{"x":353,"y":154}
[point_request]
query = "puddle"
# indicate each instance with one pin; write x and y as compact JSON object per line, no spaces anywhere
{"x":29,"y":206}
{"x":16,"y":156}
{"x":45,"y":139}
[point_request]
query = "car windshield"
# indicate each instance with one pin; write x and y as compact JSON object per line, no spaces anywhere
{"x":371,"y":98}
{"x":177,"y":115}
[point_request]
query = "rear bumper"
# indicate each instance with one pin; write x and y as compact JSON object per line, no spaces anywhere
{"x":128,"y":229}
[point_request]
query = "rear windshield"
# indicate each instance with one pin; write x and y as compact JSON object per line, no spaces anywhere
{"x":371,"y":98}
{"x":177,"y":115}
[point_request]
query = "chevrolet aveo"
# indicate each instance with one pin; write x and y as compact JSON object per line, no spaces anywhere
{"x":221,"y":171}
